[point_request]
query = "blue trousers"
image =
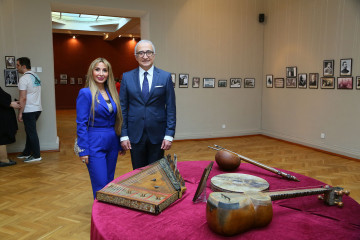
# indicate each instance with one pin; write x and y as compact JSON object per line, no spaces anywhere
{"x":32,"y":146}
{"x":104,"y":146}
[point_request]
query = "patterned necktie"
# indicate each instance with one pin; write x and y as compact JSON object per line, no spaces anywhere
{"x":145,"y":87}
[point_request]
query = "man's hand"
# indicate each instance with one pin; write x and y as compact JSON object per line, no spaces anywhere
{"x":166,"y":145}
{"x":20,"y":119}
{"x":126,"y":145}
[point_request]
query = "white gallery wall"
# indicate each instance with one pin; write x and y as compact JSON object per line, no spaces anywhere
{"x":219,"y":39}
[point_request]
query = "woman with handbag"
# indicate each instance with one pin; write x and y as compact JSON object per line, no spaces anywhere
{"x":8,"y":126}
{"x":99,"y":120}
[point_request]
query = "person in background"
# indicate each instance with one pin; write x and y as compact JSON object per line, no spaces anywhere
{"x":8,"y":126}
{"x":29,"y":113}
{"x":99,"y":120}
{"x":148,"y":106}
{"x":117,"y":84}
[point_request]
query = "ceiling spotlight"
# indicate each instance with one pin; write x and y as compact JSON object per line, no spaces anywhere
{"x":74,"y":36}
{"x":133,"y":39}
{"x":120,"y":35}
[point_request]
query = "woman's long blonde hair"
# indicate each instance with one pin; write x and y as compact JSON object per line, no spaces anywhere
{"x":109,"y":85}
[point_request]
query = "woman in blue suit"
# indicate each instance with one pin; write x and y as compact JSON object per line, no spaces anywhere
{"x":99,"y":120}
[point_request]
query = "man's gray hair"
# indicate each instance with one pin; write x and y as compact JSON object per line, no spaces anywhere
{"x":145,"y":41}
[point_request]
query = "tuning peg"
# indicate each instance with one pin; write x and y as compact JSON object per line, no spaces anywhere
{"x":321,"y":197}
{"x":339,"y":204}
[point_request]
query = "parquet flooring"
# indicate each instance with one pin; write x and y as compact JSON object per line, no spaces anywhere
{"x":52,"y":199}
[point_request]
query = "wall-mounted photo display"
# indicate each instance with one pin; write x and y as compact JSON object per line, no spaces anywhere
{"x":79,"y":81}
{"x":302,"y":80}
{"x":345,"y":67}
{"x":196,"y":82}
{"x":208,"y":82}
{"x":313,"y":80}
{"x":72,"y":80}
{"x":291,"y":82}
{"x":173,"y":79}
{"x":10,"y":62}
{"x":235,"y":82}
{"x":222,"y":83}
{"x":269,"y":81}
{"x":358,"y":82}
{"x":279,"y":82}
{"x":183,"y":80}
{"x":249,"y":82}
{"x":63,"y":76}
{"x":63,"y":81}
{"x":11,"y":77}
{"x":328,"y":68}
{"x":345,"y":83}
{"x":291,"y":71}
{"x":327,"y":83}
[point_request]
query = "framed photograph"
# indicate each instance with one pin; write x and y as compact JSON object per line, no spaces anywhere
{"x":173,"y":79}
{"x":291,"y":82}
{"x":358,"y":82}
{"x":327,"y":82}
{"x":209,"y":82}
{"x":345,"y":67}
{"x":11,"y":77}
{"x":72,"y":80}
{"x":79,"y":81}
{"x":313,"y":80}
{"x":269,"y":81}
{"x":10,"y":62}
{"x":291,"y":71}
{"x":328,"y":68}
{"x":249,"y":82}
{"x":63,"y":76}
{"x":222,"y":83}
{"x":196,"y":82}
{"x":183,"y":80}
{"x":235,"y":82}
{"x":279,"y":82}
{"x":345,"y":83}
{"x":63,"y":81}
{"x":302,"y":80}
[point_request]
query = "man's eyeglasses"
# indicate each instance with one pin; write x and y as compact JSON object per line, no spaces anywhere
{"x":142,"y":53}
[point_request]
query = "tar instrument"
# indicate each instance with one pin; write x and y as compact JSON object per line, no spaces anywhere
{"x":233,"y":213}
{"x":151,"y":190}
{"x":278,"y":172}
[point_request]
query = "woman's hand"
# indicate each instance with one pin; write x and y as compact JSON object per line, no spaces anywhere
{"x":85,"y":159}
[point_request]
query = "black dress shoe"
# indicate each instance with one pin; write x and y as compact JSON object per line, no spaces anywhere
{"x":4,"y":164}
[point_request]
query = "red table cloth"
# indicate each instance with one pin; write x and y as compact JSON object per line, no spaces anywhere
{"x":296,"y":218}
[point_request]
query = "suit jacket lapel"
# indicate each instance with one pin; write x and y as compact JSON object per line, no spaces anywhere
{"x":155,"y":81}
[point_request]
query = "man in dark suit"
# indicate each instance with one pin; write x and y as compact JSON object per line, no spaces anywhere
{"x":147,"y":100}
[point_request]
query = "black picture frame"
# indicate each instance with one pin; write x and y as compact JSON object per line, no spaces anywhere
{"x":222,"y":83}
{"x":357,"y":82}
{"x":183,"y":80}
{"x":196,"y":82}
{"x":346,"y":67}
{"x":79,"y":81}
{"x":327,"y":83}
{"x":63,"y":76}
{"x":235,"y":82}
{"x":208,"y":82}
{"x":269,"y":81}
{"x":173,"y":79}
{"x":249,"y":83}
{"x":279,"y":82}
{"x":345,"y":83}
{"x":313,"y":80}
{"x":291,"y":71}
{"x":11,"y":77}
{"x":10,"y":62}
{"x":328,"y":68}
{"x":302,"y":80}
{"x":291,"y":82}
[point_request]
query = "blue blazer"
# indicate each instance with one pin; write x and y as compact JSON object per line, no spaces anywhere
{"x":157,"y":115}
{"x":84,"y":118}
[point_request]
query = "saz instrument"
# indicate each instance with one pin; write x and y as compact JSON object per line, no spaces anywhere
{"x":232,"y":213}
{"x":151,"y":190}
{"x":278,"y":172}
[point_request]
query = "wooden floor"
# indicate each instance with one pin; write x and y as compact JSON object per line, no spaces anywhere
{"x":52,"y":199}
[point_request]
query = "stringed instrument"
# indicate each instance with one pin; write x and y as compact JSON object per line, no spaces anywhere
{"x":278,"y":172}
{"x":229,"y":214}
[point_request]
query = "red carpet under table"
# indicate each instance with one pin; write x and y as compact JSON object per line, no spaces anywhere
{"x":297,"y":218}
